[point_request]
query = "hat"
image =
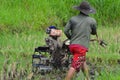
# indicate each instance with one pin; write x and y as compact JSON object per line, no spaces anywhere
{"x":49,"y":29}
{"x":52,"y":27}
{"x":85,"y":8}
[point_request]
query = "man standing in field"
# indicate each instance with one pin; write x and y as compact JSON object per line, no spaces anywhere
{"x":78,"y":30}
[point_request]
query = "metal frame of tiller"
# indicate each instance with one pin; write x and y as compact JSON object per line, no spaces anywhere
{"x":41,"y":63}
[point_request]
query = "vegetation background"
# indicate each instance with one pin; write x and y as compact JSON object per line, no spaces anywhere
{"x":23,"y":24}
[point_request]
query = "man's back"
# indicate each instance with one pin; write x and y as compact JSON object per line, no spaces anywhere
{"x":80,"y":29}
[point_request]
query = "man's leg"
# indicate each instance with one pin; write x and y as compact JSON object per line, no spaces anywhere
{"x":85,"y":70}
{"x":70,"y":73}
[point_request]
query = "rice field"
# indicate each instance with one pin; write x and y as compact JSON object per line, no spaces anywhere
{"x":22,"y":28}
{"x":16,"y":51}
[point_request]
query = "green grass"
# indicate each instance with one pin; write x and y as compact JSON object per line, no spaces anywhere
{"x":23,"y":15}
{"x":23,"y":24}
{"x":19,"y":47}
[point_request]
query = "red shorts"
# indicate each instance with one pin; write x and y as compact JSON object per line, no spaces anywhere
{"x":79,"y":53}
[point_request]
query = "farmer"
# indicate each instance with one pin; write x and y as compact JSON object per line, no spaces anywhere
{"x":78,"y":30}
